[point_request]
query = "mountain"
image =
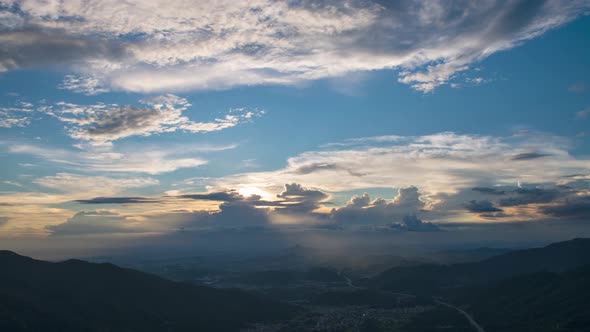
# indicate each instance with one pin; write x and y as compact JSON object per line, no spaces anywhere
{"x":79,"y":296}
{"x":434,"y":279}
{"x":541,"y":301}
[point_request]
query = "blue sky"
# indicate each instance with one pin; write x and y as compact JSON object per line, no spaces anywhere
{"x":416,"y":103}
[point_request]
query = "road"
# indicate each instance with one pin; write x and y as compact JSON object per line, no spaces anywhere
{"x":464,"y":313}
{"x":472,"y":321}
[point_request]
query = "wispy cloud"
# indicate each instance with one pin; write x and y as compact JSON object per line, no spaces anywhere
{"x":101,"y":124}
{"x":92,"y":185}
{"x":444,"y":162}
{"x":150,"y":159}
{"x":220,"y":44}
{"x":583,"y":113}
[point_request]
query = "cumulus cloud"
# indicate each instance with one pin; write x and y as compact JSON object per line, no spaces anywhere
{"x":297,"y":199}
{"x":363,"y":210}
{"x":298,"y":207}
{"x":219,"y":44}
{"x":101,"y":124}
{"x":411,"y":223}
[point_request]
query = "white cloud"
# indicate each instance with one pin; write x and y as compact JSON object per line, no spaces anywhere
{"x":92,"y":186}
{"x":363,"y":210}
{"x":439,"y":163}
{"x":129,"y":159}
{"x":88,"y":85}
{"x":100,"y":124}
{"x":14,"y":116}
{"x":147,"y":46}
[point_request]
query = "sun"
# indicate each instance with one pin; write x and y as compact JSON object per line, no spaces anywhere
{"x":249,"y":191}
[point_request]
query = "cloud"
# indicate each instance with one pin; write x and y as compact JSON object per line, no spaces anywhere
{"x":116,"y":200}
{"x":481,"y":207}
{"x":362,"y":210}
{"x":226,"y":196}
{"x":489,"y":191}
{"x":438,"y":163}
{"x":30,"y":46}
{"x":3,"y":221}
{"x":524,"y":196}
{"x":220,"y":44}
{"x":238,"y":214}
{"x":93,"y":223}
{"x":297,"y":199}
{"x":411,"y":223}
{"x":15,"y":116}
{"x":576,"y":207}
{"x":578,"y":87}
{"x":150,"y":159}
{"x":583,"y":114}
{"x":92,"y":185}
{"x":88,"y":85}
{"x":529,"y":156}
{"x":101,"y":124}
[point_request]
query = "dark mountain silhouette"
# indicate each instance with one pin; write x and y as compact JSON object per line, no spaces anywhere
{"x":434,"y":279}
{"x":79,"y":296}
{"x":541,"y":301}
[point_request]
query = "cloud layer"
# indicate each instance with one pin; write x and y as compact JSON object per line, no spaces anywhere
{"x":101,"y":124}
{"x":174,"y":45}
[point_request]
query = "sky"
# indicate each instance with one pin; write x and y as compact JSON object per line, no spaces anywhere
{"x":137,"y":122}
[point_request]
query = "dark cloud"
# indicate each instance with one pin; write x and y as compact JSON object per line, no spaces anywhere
{"x":32,"y":47}
{"x":494,"y":215}
{"x":296,"y":191}
{"x":298,"y":199}
{"x":529,"y":156}
{"x":411,"y":223}
{"x":489,"y":191}
{"x":116,"y":200}
{"x":239,"y":214}
{"x":226,"y":196}
{"x":318,"y":167}
{"x":578,"y":207}
{"x":3,"y":221}
{"x":481,"y":207}
{"x":524,"y":196}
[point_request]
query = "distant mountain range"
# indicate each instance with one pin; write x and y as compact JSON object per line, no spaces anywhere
{"x":79,"y":296}
{"x":432,"y":279}
{"x":534,"y":302}
{"x":532,"y":290}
